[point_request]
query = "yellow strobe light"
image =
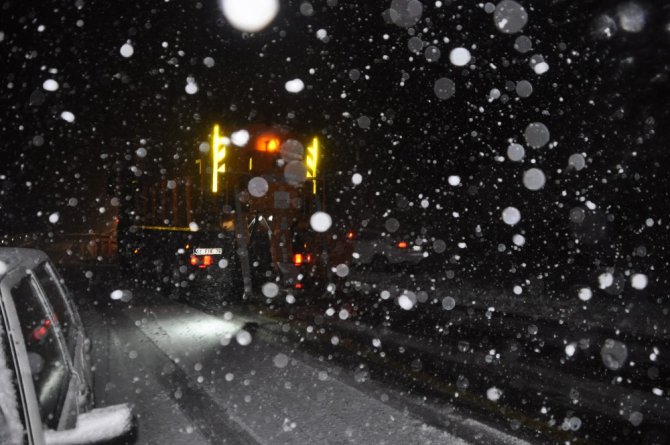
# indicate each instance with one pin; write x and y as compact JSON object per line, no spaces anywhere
{"x":218,"y":156}
{"x":311,"y":161}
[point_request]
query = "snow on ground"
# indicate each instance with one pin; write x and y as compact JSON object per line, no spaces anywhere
{"x":291,"y":404}
{"x":128,"y":368}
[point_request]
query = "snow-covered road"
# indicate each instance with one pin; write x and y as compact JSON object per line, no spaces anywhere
{"x":230,"y":378}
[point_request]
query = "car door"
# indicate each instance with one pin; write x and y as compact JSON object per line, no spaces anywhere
{"x":49,"y":366}
{"x":71,"y":328}
{"x":16,"y":372}
{"x":14,"y":421}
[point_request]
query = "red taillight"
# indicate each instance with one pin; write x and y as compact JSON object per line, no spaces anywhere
{"x":297,"y":259}
{"x":402,"y":245}
{"x":351,"y":235}
{"x":298,"y":285}
{"x":206,"y":262}
{"x":201,"y":261}
{"x":39,"y":333}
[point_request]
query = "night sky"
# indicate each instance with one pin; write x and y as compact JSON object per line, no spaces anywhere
{"x":373,"y":102}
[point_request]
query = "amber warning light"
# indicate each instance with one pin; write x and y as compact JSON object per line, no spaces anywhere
{"x":267,"y":142}
{"x":299,"y":259}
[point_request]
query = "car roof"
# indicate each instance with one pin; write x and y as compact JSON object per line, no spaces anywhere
{"x":19,"y":257}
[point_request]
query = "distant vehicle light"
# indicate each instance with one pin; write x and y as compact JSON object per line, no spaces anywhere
{"x":302,"y":258}
{"x":298,"y":285}
{"x":351,"y":235}
{"x":402,"y":245}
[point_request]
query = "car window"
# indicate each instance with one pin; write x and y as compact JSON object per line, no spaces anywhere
{"x":54,"y":292}
{"x":47,"y":361}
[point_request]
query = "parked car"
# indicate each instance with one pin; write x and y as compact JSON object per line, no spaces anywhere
{"x":45,"y":378}
{"x":378,"y":250}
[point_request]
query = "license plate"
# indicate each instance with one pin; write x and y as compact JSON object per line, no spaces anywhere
{"x":208,"y":251}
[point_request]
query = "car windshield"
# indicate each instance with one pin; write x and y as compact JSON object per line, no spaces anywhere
{"x":330,"y":221}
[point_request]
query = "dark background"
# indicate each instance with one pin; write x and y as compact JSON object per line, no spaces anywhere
{"x":603,"y":97}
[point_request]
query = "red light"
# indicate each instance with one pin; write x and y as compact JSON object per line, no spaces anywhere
{"x":39,"y":333}
{"x":297,"y":259}
{"x":206,"y":262}
{"x":351,"y":235}
{"x":402,"y":245}
{"x":194,"y":260}
{"x":268,"y":143}
{"x":298,"y":285}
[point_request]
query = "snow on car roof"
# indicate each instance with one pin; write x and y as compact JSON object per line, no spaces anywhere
{"x":14,"y":257}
